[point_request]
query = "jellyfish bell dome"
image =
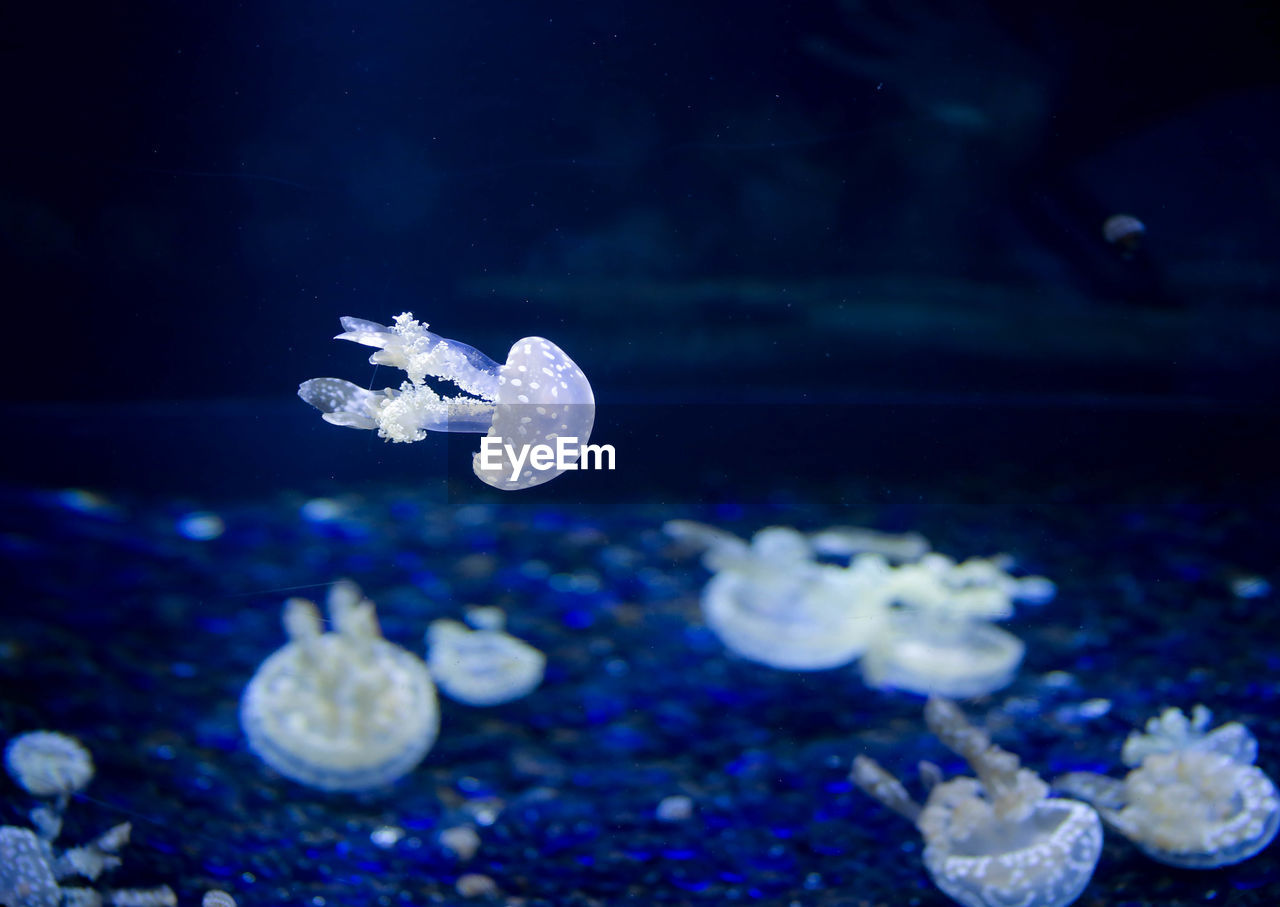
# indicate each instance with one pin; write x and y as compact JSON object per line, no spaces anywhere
{"x":536,"y":410}
{"x":47,"y":763}
{"x":542,"y":399}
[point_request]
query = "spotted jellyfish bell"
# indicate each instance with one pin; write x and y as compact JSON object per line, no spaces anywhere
{"x":1193,"y":799}
{"x":998,"y":838}
{"x":538,"y":397}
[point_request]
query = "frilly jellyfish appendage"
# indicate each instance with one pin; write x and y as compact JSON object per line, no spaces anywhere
{"x":1194,"y":799}
{"x":539,"y":395}
{"x":997,"y":838}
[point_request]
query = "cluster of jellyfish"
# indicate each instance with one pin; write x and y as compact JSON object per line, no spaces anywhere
{"x":923,"y":623}
{"x":34,"y":872}
{"x":345,"y":709}
{"x":1193,"y":799}
{"x":918,"y":620}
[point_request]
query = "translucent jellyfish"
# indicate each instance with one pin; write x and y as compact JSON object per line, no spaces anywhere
{"x":940,"y":640}
{"x":1125,"y":232}
{"x":482,"y":666}
{"x":48,"y":764}
{"x":771,"y":602}
{"x":1193,"y":799}
{"x":345,"y":710}
{"x":998,"y":838}
{"x":538,"y":397}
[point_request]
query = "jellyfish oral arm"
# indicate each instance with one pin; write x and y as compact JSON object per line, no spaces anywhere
{"x":408,"y":345}
{"x":403,"y":415}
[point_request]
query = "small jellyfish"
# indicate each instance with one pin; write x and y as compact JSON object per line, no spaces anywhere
{"x":771,"y":602}
{"x":940,"y":641}
{"x":49,"y":764}
{"x":345,"y":710}
{"x":485,"y":665}
{"x":538,"y":400}
{"x":998,"y":838}
{"x":1125,"y":232}
{"x":1193,"y":799}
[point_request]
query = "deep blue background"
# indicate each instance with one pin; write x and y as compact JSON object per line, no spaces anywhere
{"x":192,"y":195}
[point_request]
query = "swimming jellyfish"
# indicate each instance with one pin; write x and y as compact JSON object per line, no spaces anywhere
{"x":1193,"y":799}
{"x":998,"y":838}
{"x":538,"y":397}
{"x":345,"y":710}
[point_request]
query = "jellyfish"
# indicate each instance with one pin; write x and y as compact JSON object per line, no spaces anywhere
{"x":1193,"y":799}
{"x":341,"y":711}
{"x":1125,"y":233}
{"x":771,"y":602}
{"x":49,"y":764}
{"x":941,"y":641}
{"x":998,"y":838}
{"x":482,"y":664}
{"x":539,"y":399}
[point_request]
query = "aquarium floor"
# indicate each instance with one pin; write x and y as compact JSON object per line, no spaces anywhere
{"x":122,"y":629}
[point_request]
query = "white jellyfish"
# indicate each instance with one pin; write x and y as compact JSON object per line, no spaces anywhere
{"x":485,"y":665}
{"x":1194,"y":798}
{"x":341,"y":711}
{"x":941,"y":641}
{"x":49,"y":764}
{"x":772,"y":603}
{"x":998,"y":838}
{"x":538,"y":401}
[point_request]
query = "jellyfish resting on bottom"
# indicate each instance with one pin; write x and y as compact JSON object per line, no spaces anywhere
{"x":771,"y":602}
{"x":1194,"y":799}
{"x":482,"y":664}
{"x":998,"y":838}
{"x":344,"y":710}
{"x":539,"y":401}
